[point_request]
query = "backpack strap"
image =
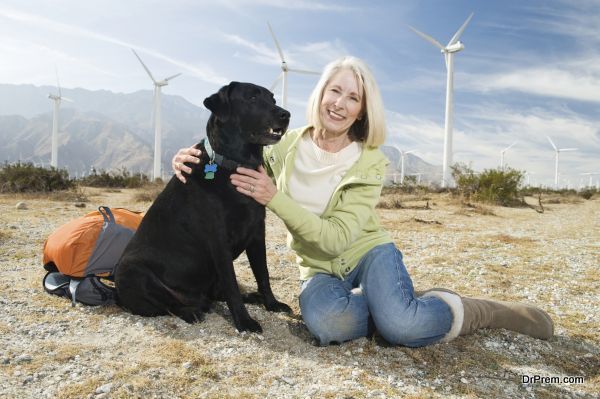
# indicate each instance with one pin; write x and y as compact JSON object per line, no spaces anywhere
{"x":73,"y":290}
{"x":107,"y":215}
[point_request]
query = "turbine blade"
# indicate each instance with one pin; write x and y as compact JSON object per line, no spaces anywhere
{"x":460,"y":31}
{"x":144,"y":65}
{"x":428,"y":38}
{"x":276,"y":81}
{"x":567,"y":149}
{"x":510,"y":146}
{"x":552,"y":142}
{"x":303,"y":71}
{"x":66,"y":99}
{"x":172,"y":77}
{"x":276,"y":43}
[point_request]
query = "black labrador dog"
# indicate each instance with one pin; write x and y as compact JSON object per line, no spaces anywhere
{"x":180,"y":259}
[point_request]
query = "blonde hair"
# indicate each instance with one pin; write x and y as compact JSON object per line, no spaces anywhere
{"x":370,"y":129}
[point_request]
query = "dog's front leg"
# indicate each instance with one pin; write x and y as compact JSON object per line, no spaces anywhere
{"x":233,"y":297}
{"x":257,"y":256}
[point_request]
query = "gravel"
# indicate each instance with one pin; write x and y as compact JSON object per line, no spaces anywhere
{"x":49,"y":349}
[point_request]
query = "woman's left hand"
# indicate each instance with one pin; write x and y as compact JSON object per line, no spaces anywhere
{"x":255,"y":184}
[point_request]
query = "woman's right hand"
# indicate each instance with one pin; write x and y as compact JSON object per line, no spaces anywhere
{"x":189,"y":154}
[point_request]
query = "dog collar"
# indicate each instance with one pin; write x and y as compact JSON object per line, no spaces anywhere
{"x":215,"y":159}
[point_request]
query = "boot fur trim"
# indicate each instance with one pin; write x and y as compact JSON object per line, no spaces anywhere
{"x":457,"y":309}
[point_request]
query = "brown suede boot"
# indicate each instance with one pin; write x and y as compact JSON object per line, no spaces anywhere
{"x":518,"y":317}
{"x":471,"y":314}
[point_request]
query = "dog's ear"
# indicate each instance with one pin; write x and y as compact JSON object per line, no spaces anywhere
{"x":219,"y":104}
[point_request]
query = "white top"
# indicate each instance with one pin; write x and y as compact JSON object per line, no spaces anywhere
{"x":317,"y":173}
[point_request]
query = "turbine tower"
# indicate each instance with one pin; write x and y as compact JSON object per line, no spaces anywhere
{"x":284,"y":71}
{"x":401,"y":163}
{"x":502,"y":155}
{"x":591,"y":175}
{"x":557,"y":151}
{"x":453,"y":46}
{"x":157,"y":123}
{"x":57,"y":99}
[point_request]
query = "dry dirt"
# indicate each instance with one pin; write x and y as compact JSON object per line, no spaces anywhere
{"x":50,"y":350}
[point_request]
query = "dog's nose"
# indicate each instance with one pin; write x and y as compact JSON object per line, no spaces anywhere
{"x":284,"y":114}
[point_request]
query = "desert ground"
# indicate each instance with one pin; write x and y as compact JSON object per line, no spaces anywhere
{"x":49,"y":349}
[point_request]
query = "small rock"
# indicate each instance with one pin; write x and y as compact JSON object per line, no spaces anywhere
{"x":106,"y":388}
{"x":24,"y":358}
{"x":464,"y":380}
{"x":21,"y":206}
{"x":79,"y":205}
{"x":287,"y":380}
{"x":187,"y":365}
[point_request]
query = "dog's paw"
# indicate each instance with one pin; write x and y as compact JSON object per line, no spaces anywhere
{"x":249,"y":324}
{"x":191,"y":315}
{"x":276,"y":306}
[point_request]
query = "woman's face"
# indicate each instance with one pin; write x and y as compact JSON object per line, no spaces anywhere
{"x":342,"y":102}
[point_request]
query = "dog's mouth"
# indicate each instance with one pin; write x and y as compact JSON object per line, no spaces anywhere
{"x":275,"y":133}
{"x":270,"y":136}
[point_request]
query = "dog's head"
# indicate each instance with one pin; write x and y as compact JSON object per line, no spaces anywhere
{"x":249,"y":111}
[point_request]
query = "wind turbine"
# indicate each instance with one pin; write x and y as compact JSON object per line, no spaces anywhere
{"x":556,"y":156}
{"x":527,"y":175}
{"x":157,"y":127}
{"x":591,"y":175}
{"x":57,"y":99}
{"x":402,"y":155}
{"x":502,"y":155}
{"x":453,"y":46}
{"x":284,"y":71}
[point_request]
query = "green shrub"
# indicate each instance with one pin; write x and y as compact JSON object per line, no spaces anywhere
{"x":25,"y":177}
{"x":587,"y":193}
{"x":494,"y":186}
{"x":121,"y":178}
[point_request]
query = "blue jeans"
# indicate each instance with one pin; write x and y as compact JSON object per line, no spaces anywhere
{"x":333,"y":312}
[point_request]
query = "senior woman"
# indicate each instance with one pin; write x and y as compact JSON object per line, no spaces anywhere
{"x":324,"y":181}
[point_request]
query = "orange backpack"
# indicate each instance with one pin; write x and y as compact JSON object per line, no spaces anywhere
{"x":79,"y":253}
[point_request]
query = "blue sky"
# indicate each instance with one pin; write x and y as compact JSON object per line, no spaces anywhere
{"x":529,"y":68}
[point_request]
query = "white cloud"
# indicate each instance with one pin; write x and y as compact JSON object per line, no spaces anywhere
{"x":203,"y":72}
{"x":260,"y":52}
{"x":319,"y":53}
{"x":578,"y":83}
{"x":303,"y":5}
{"x":482,"y":132}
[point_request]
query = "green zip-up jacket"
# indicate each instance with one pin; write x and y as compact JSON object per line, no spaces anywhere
{"x":334,"y":242}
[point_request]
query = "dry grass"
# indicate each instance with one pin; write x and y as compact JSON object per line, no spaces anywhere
{"x":77,"y":194}
{"x":508,"y":239}
{"x":148,"y":193}
{"x":549,"y":260}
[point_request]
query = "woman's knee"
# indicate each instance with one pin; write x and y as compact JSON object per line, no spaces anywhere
{"x":334,"y":314}
{"x":333,"y":327}
{"x":423,"y":323}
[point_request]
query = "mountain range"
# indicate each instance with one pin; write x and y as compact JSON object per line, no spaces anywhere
{"x":109,"y":131}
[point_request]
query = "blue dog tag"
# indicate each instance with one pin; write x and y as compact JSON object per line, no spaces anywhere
{"x":209,"y":171}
